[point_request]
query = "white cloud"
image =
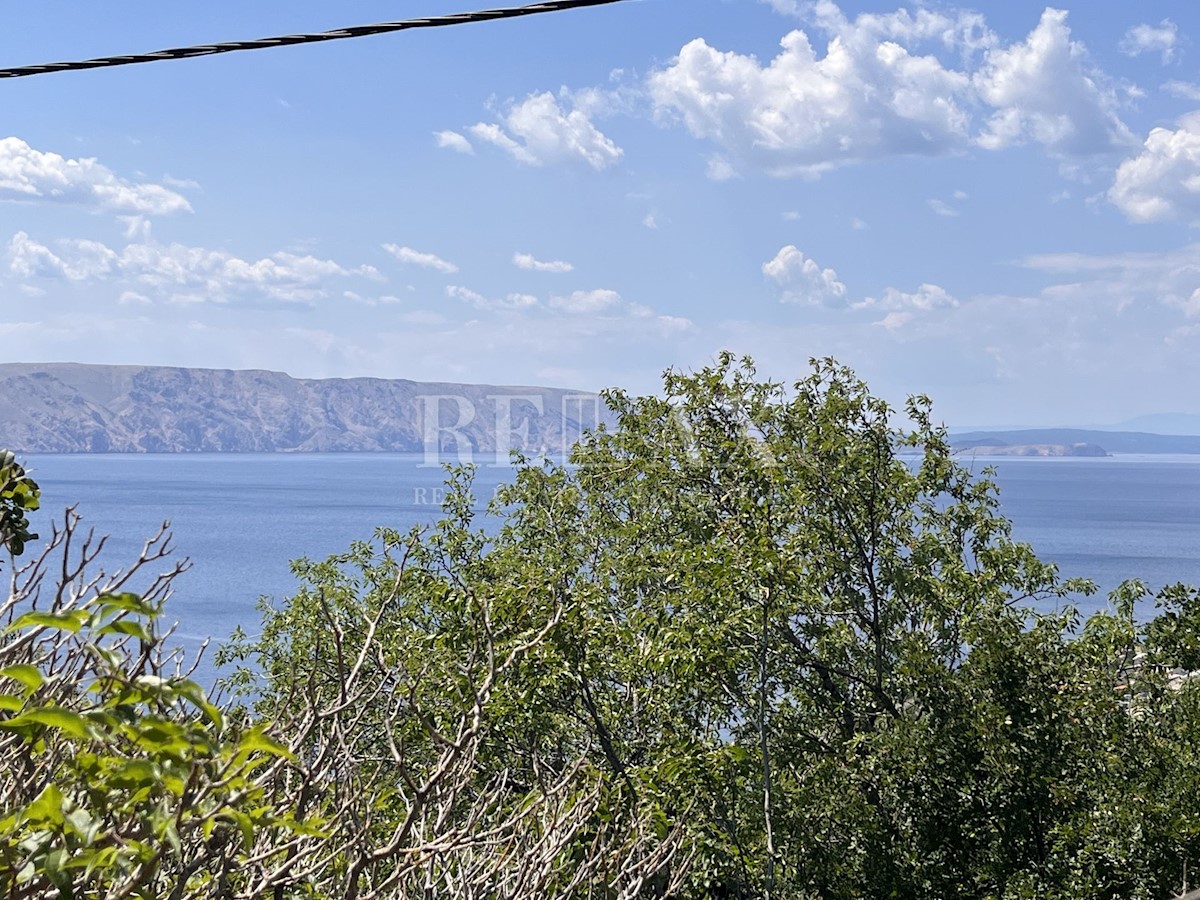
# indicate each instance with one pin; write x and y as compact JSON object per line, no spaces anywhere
{"x":513,"y":302}
{"x":1184,"y":90}
{"x":83,"y":261}
{"x":1169,"y":280}
{"x":27,"y":174}
{"x":801,"y":280}
{"x":894,"y":320}
{"x":587,"y":302}
{"x":876,"y":93}
{"x":136,"y":227}
{"x":183,"y":184}
{"x":539,"y":132}
{"x":927,"y":297}
{"x":802,"y":113}
{"x":452,"y":140}
{"x":785,"y":7}
{"x":458,"y":292}
{"x":578,"y":314}
{"x":176,"y":272}
{"x":1163,"y":181}
{"x":651,"y":221}
{"x":1046,"y":90}
{"x":941,"y":207}
{"x":720,"y":169}
{"x":528,"y":262}
{"x":1162,"y":39}
{"x":409,"y":256}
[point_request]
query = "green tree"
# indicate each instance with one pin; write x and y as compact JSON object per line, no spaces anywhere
{"x":756,"y":641}
{"x":120,"y":777}
{"x":783,"y":646}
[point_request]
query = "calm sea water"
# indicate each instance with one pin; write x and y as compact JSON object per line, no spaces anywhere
{"x":242,"y":518}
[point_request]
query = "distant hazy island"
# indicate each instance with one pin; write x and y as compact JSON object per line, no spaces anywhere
{"x":73,"y":408}
{"x":76,"y":408}
{"x":1071,"y":442}
{"x":1035,"y":450}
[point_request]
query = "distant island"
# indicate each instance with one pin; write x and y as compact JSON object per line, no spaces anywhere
{"x":1071,"y":442}
{"x":75,"y":408}
{"x":1034,"y":450}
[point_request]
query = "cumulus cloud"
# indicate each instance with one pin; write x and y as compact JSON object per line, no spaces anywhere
{"x":538,"y":131}
{"x":83,"y":261}
{"x":1162,"y":38}
{"x":802,"y":280}
{"x":1163,"y":181}
{"x":528,"y":262}
{"x":176,"y":272}
{"x":900,"y":307}
{"x":802,"y":113}
{"x":28,"y":175}
{"x":409,"y":256}
{"x":880,"y":89}
{"x":452,"y":140}
{"x":1045,"y":89}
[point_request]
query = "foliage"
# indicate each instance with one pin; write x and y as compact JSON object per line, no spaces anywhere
{"x":123,"y":779}
{"x":756,"y":641}
{"x":19,"y":495}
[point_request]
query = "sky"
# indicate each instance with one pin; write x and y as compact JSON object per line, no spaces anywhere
{"x":992,"y":205}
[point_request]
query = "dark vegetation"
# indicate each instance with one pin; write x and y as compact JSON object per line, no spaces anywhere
{"x":745,"y":647}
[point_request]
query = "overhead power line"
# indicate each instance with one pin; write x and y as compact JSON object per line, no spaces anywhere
{"x":288,"y":40}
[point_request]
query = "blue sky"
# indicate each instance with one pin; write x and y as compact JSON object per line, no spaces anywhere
{"x":994,"y":205}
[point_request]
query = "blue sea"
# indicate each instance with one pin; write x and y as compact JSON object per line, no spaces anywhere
{"x":240,"y":519}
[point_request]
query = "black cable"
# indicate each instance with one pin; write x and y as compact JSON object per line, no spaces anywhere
{"x":483,"y":15}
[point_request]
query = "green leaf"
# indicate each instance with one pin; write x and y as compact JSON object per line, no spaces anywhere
{"x":126,"y":603}
{"x":256,"y":740}
{"x":30,"y":676}
{"x":47,"y":807}
{"x":68,"y":621}
{"x":136,"y":773}
{"x":125,"y":626}
{"x":52,"y":717}
{"x":244,"y":825}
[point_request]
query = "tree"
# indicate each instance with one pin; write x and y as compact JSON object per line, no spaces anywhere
{"x":121,"y":777}
{"x":796,"y":636}
{"x":756,"y":641}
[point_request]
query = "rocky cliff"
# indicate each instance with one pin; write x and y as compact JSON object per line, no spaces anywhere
{"x":72,"y":408}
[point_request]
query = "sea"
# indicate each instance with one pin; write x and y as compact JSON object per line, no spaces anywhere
{"x":240,"y":519}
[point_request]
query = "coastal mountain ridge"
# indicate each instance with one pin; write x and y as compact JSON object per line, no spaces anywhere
{"x":80,"y":408}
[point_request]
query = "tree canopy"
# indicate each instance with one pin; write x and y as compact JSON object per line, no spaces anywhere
{"x":755,"y":641}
